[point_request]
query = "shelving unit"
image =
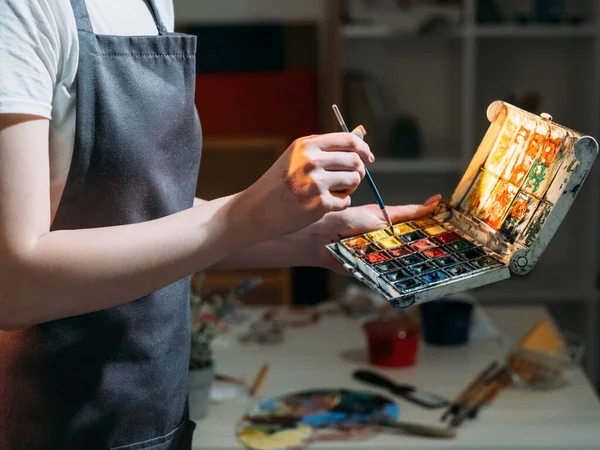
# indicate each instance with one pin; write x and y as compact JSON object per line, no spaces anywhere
{"x":447,"y":80}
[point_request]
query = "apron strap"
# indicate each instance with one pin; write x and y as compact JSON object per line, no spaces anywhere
{"x":159,"y":23}
{"x":82,"y":18}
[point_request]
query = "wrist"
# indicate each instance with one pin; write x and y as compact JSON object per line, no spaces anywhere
{"x":227,"y":229}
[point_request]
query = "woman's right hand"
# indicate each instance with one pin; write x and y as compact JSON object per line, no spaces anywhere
{"x":314,"y":176}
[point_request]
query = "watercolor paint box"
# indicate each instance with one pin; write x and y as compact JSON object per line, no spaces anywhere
{"x":512,"y":198}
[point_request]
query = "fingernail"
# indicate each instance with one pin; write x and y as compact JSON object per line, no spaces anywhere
{"x":372,"y":158}
{"x":360,"y":131}
{"x":432,"y":200}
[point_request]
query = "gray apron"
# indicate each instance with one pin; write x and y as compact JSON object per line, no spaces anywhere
{"x":117,"y":378}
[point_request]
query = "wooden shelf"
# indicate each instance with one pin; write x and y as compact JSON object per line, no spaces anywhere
{"x":358,"y":31}
{"x":374,"y":31}
{"x":533,"y":31}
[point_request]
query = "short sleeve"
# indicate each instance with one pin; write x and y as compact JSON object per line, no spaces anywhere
{"x":29,"y":56}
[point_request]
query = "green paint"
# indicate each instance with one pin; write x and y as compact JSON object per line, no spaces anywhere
{"x":536,"y":176}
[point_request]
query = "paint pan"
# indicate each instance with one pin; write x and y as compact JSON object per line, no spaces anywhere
{"x":377,"y":235}
{"x":390,"y":242}
{"x":399,"y":252}
{"x":413,"y":236}
{"x":404,"y":228}
{"x":502,"y":215}
{"x":423,"y":245}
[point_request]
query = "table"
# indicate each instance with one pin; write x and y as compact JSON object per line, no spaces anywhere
{"x":325,"y":356}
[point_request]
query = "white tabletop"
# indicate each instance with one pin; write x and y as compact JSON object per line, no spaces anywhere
{"x":324,"y":356}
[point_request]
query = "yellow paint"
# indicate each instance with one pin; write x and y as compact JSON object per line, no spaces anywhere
{"x":426,"y":222}
{"x":377,"y":235}
{"x":390,"y":242}
{"x":434,"y":231}
{"x":403,"y":228}
{"x":259,"y":440}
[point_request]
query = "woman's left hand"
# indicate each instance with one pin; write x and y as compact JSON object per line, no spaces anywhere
{"x":354,"y":221}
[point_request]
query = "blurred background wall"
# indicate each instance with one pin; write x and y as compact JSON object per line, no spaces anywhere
{"x":419,"y":76}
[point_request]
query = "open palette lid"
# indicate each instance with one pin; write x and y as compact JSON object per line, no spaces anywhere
{"x":520,"y":184}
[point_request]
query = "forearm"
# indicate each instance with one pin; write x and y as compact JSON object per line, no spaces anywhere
{"x":67,"y":273}
{"x":295,"y":250}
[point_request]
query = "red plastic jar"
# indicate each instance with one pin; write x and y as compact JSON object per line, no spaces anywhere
{"x":392,"y":342}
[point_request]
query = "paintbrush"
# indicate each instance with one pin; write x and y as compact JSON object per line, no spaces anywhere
{"x":380,"y":202}
{"x":415,"y":429}
{"x":258,"y":381}
{"x":470,"y":390}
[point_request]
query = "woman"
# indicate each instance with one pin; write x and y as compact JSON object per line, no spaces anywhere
{"x":99,"y":230}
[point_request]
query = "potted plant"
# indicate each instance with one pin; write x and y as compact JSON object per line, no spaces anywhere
{"x":207,"y":314}
{"x":201,"y":368}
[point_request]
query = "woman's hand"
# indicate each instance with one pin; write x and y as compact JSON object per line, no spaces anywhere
{"x":315,"y":176}
{"x":355,"y":221}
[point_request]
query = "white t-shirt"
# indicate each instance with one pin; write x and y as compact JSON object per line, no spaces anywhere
{"x":39,"y":52}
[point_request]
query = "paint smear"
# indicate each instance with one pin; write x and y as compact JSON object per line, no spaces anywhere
{"x":389,"y":242}
{"x":547,"y":163}
{"x":502,"y":153}
{"x":524,"y":157}
{"x":562,"y":178}
{"x":355,"y":242}
{"x":496,"y":207}
{"x":400,"y":251}
{"x":424,"y":244}
{"x":375,"y":258}
{"x":435,"y":253}
{"x":478,"y":193}
{"x":519,"y":216}
{"x":403,"y":228}
{"x":532,"y":231}
{"x":377,"y":235}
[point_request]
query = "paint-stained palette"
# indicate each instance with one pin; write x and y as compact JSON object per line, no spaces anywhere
{"x":512,"y":198}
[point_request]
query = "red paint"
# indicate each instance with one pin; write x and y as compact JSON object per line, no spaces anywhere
{"x":374,"y":258}
{"x":401,"y":251}
{"x":393,"y":342}
{"x":435,"y":253}
{"x":447,"y":238}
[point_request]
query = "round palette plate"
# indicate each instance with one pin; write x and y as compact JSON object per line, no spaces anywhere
{"x":295,"y":420}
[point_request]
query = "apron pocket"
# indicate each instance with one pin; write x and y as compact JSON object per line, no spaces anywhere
{"x":178,"y":439}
